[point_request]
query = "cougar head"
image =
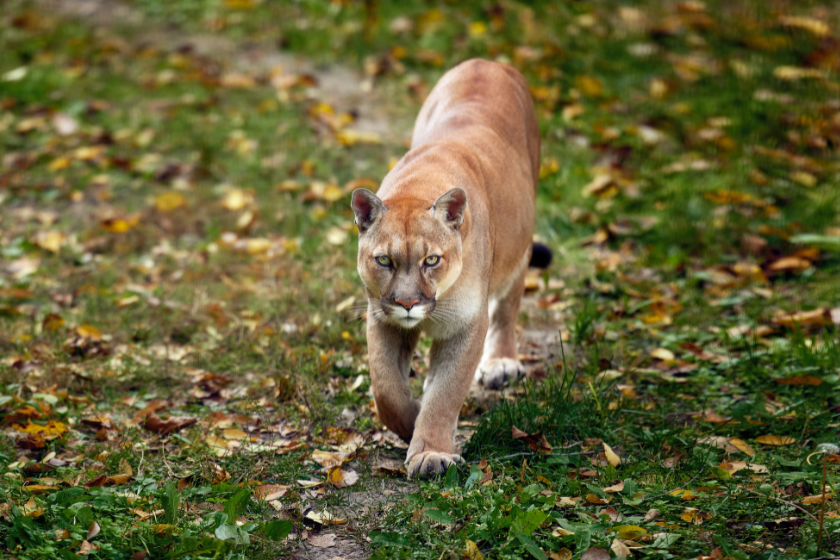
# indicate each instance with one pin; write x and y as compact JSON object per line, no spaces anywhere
{"x":409,"y":252}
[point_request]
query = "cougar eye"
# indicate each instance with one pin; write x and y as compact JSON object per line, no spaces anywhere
{"x":432,"y":260}
{"x":382,"y":260}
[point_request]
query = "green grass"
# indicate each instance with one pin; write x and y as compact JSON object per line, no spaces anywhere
{"x":187,"y":219}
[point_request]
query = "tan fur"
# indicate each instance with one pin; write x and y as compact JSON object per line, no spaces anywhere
{"x":465,"y":193}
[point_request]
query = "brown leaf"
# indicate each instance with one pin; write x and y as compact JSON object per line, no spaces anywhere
{"x":800,"y":380}
{"x":328,"y":460}
{"x":615,"y":488}
{"x":87,"y":548}
{"x":818,"y":316}
{"x":620,"y":549}
{"x":52,"y":322}
{"x":321,"y":541}
{"x":153,"y":406}
{"x":594,"y":499}
{"x":269,"y":492}
{"x":517,"y":433}
{"x":93,"y":530}
{"x":172,"y":424}
{"x":595,"y":553}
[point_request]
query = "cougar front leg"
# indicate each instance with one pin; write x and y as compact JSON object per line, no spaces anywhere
{"x":390,"y":364}
{"x":452,"y":363}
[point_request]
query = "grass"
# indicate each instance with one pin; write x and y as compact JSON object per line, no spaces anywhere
{"x":175,"y":237}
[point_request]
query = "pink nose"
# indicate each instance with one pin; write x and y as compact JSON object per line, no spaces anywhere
{"x":408,"y":304}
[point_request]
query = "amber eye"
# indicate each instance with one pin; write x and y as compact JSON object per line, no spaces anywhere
{"x":432,"y":260}
{"x":383,"y":260}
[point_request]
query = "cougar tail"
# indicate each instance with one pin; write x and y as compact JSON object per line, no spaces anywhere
{"x":540,"y":256}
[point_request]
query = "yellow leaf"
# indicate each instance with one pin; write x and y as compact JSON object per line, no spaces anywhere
{"x":237,"y":199}
{"x":52,"y":322}
{"x":234,"y":433}
{"x":332,"y":192}
{"x":50,"y":241}
{"x":811,"y":25}
{"x":169,"y":201}
{"x":793,"y":73}
{"x":121,"y":225}
{"x":775,"y":440}
{"x":742,"y":446}
{"x":562,"y":554}
{"x":59,"y":163}
{"x":612,"y":458}
{"x":477,"y":29}
{"x":472,"y":552}
{"x":51,"y":430}
{"x":819,"y":498}
{"x":31,"y":509}
{"x":663,"y":354}
{"x":589,"y":86}
{"x":629,"y":531}
{"x":350,"y":137}
{"x":89,"y":331}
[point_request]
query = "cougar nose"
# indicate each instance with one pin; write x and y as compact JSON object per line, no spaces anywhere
{"x":408,"y":304}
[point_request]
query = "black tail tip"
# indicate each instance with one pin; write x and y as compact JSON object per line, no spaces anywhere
{"x":540,"y":256}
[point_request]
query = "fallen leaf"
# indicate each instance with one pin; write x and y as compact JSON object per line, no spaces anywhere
{"x":31,"y":509}
{"x":612,"y":458}
{"x":471,"y":551}
{"x":86,"y":548}
{"x":735,"y":466}
{"x":615,"y":488}
{"x":324,"y":517}
{"x":321,"y":541}
{"x":663,"y":354}
{"x":595,"y":553}
{"x":629,"y":531}
{"x":775,"y":440}
{"x":812,"y":25}
{"x":817,"y":499}
{"x":620,"y":549}
{"x":742,"y":446}
{"x":562,"y":554}
{"x":270,"y":492}
{"x":172,"y":424}
{"x":342,"y":477}
{"x":594,"y":499}
{"x":169,"y":201}
{"x":93,"y":530}
{"x":818,"y":316}
{"x":326,"y":459}
{"x":800,"y":380}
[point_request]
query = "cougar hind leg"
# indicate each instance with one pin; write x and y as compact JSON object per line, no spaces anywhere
{"x":500,"y":360}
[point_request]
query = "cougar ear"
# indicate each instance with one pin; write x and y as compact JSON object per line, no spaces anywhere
{"x":450,"y":207}
{"x":367,"y":207}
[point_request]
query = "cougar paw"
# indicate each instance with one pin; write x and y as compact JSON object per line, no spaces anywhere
{"x":431,"y":462}
{"x":495,"y":373}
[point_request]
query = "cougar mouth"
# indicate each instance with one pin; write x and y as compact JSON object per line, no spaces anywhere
{"x":408,"y":317}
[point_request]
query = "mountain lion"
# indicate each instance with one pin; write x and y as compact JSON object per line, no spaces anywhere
{"x":443,"y":249}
